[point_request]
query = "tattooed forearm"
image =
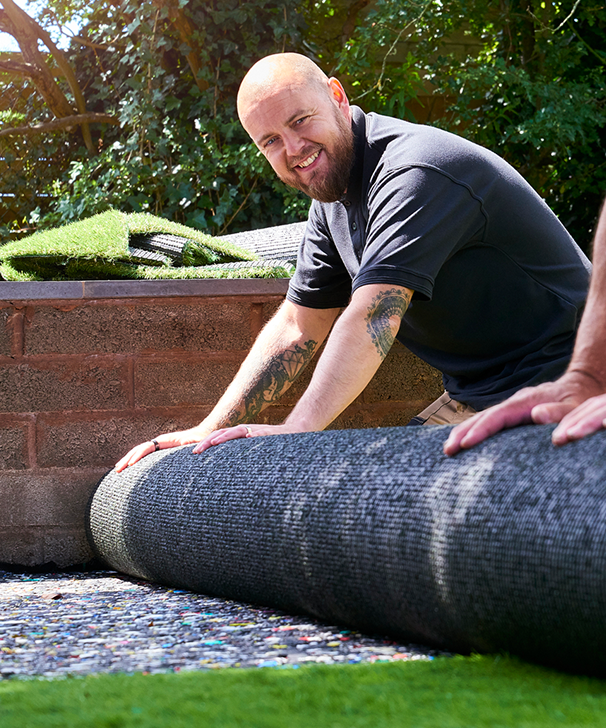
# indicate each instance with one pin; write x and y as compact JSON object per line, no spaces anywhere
{"x":274,"y":378}
{"x":385,"y":305}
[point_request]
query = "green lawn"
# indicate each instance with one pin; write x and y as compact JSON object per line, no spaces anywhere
{"x":474,"y":691}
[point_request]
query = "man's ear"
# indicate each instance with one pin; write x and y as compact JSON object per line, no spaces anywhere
{"x":338,"y":93}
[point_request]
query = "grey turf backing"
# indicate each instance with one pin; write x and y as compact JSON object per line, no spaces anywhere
{"x":501,"y":547}
{"x":281,"y":242}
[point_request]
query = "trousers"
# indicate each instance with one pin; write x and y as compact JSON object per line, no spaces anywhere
{"x":444,"y":411}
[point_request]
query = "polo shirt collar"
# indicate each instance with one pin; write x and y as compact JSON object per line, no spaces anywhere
{"x":354,"y":186}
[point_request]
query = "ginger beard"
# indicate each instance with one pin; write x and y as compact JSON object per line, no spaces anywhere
{"x":331,"y":185}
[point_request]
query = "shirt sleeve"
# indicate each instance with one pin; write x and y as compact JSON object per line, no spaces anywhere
{"x":417,"y":218}
{"x":321,"y":279}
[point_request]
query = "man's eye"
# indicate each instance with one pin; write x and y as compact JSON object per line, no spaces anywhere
{"x":301,"y":120}
{"x":269,"y":142}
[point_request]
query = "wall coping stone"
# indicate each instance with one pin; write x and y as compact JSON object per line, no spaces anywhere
{"x":65,"y":290}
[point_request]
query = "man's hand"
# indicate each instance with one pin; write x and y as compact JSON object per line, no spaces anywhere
{"x":235,"y":433}
{"x":547,"y":403}
{"x":171,"y":439}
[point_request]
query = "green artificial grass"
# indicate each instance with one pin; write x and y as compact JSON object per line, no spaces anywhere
{"x":491,"y":691}
{"x":107,"y":270}
{"x":252,"y":271}
{"x":99,"y":248}
{"x":104,"y":235}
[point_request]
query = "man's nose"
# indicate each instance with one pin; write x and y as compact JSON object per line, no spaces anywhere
{"x":293,"y":144}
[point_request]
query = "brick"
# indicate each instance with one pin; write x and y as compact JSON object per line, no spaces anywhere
{"x":46,"y":497}
{"x":80,"y":402}
{"x":21,"y":546}
{"x":13,"y":447}
{"x":101,"y":439}
{"x":32,"y":547}
{"x":134,"y":328}
{"x":273,"y":415}
{"x":182,"y":383}
{"x":6,"y":331}
{"x":360,"y":416}
{"x":55,"y":385}
{"x":66,"y":547}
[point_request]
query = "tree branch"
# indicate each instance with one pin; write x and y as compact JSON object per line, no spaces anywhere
{"x":20,"y":69}
{"x":562,"y":24}
{"x":19,"y":25}
{"x":64,"y":122}
{"x":88,"y":43}
{"x":27,"y":32}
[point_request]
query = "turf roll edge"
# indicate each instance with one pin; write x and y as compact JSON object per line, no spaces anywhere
{"x":502,"y":547}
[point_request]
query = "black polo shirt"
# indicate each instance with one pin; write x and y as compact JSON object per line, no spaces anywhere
{"x":499,"y":283}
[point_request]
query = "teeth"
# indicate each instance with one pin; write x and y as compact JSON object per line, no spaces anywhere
{"x":308,"y":161}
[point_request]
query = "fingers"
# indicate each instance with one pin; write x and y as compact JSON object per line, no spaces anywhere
{"x":239,"y":431}
{"x":586,"y":419}
{"x":544,"y":404}
{"x":134,"y":456}
{"x":224,"y":435}
{"x":453,"y":444}
{"x":165,"y":441}
{"x":549,"y":412}
{"x":487,"y":423}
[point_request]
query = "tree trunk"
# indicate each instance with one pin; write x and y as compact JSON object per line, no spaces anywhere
{"x":27,"y":32}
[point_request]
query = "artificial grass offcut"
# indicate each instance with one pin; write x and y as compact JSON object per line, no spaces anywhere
{"x":488,"y":691}
{"x":115,"y":245}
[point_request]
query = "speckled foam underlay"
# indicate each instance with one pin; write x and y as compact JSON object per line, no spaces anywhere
{"x":502,"y":547}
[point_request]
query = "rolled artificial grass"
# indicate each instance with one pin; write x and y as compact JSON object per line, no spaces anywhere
{"x":491,"y":691}
{"x":500,"y":548}
{"x":108,"y":246}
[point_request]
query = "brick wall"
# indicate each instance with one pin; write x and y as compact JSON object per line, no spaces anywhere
{"x":87,"y":370}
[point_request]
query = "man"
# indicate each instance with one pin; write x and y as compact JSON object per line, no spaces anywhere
{"x":578,"y":399}
{"x":405,"y":219}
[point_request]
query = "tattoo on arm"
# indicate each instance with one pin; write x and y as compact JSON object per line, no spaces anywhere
{"x":274,"y":378}
{"x":383,"y":306}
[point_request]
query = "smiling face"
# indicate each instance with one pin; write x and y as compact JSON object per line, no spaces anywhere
{"x":302,"y":124}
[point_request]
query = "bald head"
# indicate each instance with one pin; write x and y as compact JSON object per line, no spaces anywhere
{"x":301,"y":121}
{"x":275,"y":72}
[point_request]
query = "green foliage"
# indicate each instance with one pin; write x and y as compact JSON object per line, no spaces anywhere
{"x":526,"y":78}
{"x":539,"y":100}
{"x":179,"y":150}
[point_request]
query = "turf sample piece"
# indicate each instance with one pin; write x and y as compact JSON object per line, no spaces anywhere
{"x":500,"y":548}
{"x":139,"y":245}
